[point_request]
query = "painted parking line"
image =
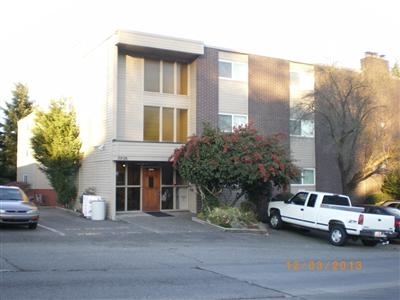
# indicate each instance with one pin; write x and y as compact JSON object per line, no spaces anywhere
{"x":52,"y":230}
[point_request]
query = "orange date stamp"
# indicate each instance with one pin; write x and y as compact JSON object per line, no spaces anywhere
{"x":320,"y":265}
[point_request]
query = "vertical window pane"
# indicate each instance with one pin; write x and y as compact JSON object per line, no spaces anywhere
{"x":295,"y":127}
{"x":120,"y":174}
{"x":182,"y":78}
{"x":120,"y":199}
{"x":151,"y":75}
{"x":168,"y":77}
{"x":225,"y":123}
{"x":181,"y":125}
{"x":307,"y":128}
{"x":167,"y":175}
{"x":134,"y":198}
{"x":239,"y":121}
{"x":240,"y":71}
{"x":168,"y":125}
{"x":225,"y":69}
{"x":151,"y":129}
{"x":167,"y":198}
{"x":308,"y":176}
{"x":133,"y":174}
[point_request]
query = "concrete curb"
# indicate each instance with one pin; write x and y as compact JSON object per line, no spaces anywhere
{"x":236,"y":230}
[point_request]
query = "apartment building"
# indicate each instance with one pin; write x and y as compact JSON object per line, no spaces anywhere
{"x":140,"y":97}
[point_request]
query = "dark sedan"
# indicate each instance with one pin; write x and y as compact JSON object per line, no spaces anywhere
{"x":15,"y":208}
{"x":385,"y":210}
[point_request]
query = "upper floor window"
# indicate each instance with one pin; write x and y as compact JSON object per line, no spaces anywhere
{"x":165,"y":124}
{"x":233,"y":70}
{"x":303,"y":128}
{"x":307,"y":177}
{"x":166,"y":77}
{"x":226,"y":122}
{"x":302,"y":80}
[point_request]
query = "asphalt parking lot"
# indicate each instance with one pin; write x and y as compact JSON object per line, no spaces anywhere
{"x":145,"y":257}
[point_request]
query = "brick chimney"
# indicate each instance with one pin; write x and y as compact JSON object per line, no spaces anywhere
{"x":374,"y":62}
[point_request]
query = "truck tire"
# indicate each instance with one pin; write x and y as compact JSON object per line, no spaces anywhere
{"x":369,"y":243}
{"x":32,"y":225}
{"x":275,"y":221}
{"x":337,"y":235}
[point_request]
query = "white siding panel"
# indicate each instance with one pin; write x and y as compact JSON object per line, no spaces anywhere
{"x":244,"y":58}
{"x":130,"y":94}
{"x":136,"y":151}
{"x":96,"y":112}
{"x":160,"y":42}
{"x":303,"y":151}
{"x":233,"y":97}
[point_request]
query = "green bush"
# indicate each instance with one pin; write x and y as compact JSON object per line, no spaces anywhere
{"x":377,"y":198}
{"x":229,"y":217}
{"x":248,"y":206}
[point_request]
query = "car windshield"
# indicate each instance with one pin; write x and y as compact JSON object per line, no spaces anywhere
{"x":10,"y":195}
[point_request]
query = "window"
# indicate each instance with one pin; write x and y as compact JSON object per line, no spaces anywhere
{"x":168,"y":124}
{"x":151,"y":124}
{"x":299,"y":199}
{"x":151,"y":75}
{"x":226,"y":122}
{"x":127,"y":193}
{"x":165,"y":76}
{"x":307,"y":177}
{"x":335,"y":200}
{"x":182,"y":78}
{"x":168,"y":77}
{"x":311,"y":200}
{"x":233,"y":70}
{"x":303,"y":80}
{"x":303,"y":128}
{"x":172,"y":124}
{"x":181,"y":125}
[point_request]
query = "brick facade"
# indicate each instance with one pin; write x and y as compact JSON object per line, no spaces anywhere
{"x":207,"y":89}
{"x":269,"y":99}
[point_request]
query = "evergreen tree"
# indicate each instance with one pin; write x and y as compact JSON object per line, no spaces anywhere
{"x":56,"y":147}
{"x":391,"y":184}
{"x":18,"y":108}
{"x":396,"y":70}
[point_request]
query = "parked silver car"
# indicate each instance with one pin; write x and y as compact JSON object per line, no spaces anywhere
{"x":15,"y":208}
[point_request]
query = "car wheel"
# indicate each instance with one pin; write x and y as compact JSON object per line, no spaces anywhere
{"x":369,"y":243}
{"x":32,"y":226}
{"x":337,"y":235}
{"x":275,"y":220}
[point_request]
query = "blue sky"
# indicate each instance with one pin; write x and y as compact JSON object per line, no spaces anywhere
{"x":41,"y":39}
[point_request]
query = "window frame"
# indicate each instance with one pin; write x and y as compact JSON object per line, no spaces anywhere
{"x":236,"y":75}
{"x":303,"y":132}
{"x":178,"y":87}
{"x":232,"y":120}
{"x":302,"y":178}
{"x":177,"y":122}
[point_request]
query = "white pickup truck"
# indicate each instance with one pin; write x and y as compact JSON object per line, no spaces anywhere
{"x":332,"y":213}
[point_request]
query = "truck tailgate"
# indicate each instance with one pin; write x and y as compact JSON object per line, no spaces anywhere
{"x":378,"y":222}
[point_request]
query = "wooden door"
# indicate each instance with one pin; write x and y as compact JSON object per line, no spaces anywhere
{"x":151,"y":189}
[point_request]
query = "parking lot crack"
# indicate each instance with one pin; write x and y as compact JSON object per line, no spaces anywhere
{"x":279,"y":294}
{"x":17,"y":268}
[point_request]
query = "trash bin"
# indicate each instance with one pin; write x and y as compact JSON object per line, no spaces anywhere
{"x":98,"y":210}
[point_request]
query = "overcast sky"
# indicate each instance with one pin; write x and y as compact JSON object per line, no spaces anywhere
{"x":41,"y":39}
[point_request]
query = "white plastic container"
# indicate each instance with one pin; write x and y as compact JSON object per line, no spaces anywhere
{"x":98,"y":210}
